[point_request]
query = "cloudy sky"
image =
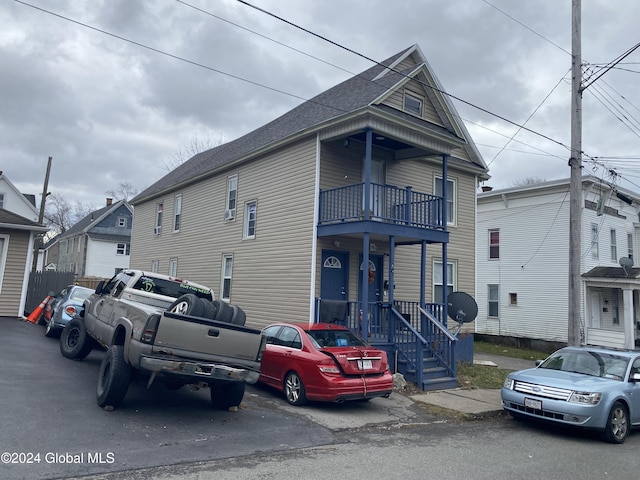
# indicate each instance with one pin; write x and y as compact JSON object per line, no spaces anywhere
{"x":116,"y":90}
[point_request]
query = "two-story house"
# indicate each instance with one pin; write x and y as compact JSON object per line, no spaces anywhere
{"x":18,"y":230}
{"x":357,"y":206}
{"x":99,"y":244}
{"x":523,"y":263}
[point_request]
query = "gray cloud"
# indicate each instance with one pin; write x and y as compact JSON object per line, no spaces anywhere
{"x":109,"y":111}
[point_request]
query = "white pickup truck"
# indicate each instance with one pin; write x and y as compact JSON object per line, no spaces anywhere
{"x":168,"y":329}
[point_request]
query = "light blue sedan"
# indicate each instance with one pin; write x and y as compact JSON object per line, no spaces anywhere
{"x":594,"y":388}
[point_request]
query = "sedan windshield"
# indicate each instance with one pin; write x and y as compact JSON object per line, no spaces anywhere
{"x":587,"y":362}
{"x":336,"y":338}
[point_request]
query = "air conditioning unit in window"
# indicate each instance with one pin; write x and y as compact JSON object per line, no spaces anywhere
{"x":230,"y":213}
{"x":157,"y":230}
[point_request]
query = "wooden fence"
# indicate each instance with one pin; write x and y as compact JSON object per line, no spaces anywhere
{"x":42,"y":283}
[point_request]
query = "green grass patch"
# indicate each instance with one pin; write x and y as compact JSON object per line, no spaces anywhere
{"x":513,"y":352}
{"x":483,"y":376}
{"x":480,"y":376}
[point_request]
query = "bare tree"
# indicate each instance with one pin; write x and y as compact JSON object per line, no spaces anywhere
{"x":60,"y":215}
{"x":197,"y":145}
{"x":124,"y":191}
{"x":528,"y":181}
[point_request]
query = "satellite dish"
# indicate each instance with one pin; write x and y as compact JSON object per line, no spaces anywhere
{"x":462,"y":308}
{"x":626,"y":263}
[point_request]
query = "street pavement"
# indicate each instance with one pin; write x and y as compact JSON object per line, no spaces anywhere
{"x":477,"y":401}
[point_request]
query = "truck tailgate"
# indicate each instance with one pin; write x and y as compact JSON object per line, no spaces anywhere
{"x":204,"y":339}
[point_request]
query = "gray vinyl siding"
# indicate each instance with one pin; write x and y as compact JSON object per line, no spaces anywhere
{"x":460,"y":250}
{"x":396,"y":100}
{"x":271,"y":273}
{"x":14,"y":271}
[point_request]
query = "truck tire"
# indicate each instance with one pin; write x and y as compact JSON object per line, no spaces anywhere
{"x":239,"y":317}
{"x":209,"y":309}
{"x":75,"y":343}
{"x":113,"y":378}
{"x":225,"y":395}
{"x":225,"y":312}
{"x":187,"y":304}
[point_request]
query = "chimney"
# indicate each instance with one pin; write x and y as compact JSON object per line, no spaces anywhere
{"x":109,"y":201}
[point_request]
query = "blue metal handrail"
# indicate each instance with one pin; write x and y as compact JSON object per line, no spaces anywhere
{"x":388,"y":204}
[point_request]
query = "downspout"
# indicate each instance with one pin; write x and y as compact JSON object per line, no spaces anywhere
{"x":445,"y":162}
{"x":314,"y":240}
{"x":364,"y":294}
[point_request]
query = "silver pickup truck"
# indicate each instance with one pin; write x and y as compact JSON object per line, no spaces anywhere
{"x":167,"y":329}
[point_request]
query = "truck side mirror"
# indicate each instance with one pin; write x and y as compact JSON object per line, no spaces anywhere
{"x":100,"y":287}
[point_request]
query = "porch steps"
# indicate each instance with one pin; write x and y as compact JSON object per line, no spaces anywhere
{"x":434,"y":376}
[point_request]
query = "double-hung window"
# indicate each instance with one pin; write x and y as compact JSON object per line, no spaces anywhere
{"x":594,"y":241}
{"x":232,"y":197}
{"x":494,"y":244}
{"x":614,"y":245}
{"x":177,"y":212}
{"x":159,"y":209}
{"x":250,"y":220}
{"x":451,"y":195}
{"x":227,"y":271}
{"x":438,"y":287}
{"x":123,"y":249}
{"x":630,"y":245}
{"x":493,"y":300}
{"x":173,"y":267}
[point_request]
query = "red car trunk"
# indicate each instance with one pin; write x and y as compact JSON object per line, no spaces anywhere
{"x":358,"y":360}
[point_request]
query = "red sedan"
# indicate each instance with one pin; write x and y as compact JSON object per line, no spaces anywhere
{"x":323,"y":362}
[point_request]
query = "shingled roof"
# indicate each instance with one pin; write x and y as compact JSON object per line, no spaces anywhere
{"x":12,"y":220}
{"x":353,"y":94}
{"x":86,"y":223}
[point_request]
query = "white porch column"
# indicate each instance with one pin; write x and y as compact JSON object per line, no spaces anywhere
{"x":629,"y":318}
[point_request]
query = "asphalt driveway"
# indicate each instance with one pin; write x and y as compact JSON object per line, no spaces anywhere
{"x":50,"y":418}
{"x":52,"y":426}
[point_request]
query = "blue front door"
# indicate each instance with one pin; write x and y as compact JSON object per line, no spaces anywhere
{"x":334,"y":277}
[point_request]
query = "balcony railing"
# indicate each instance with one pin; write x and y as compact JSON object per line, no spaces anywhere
{"x":387,"y":203}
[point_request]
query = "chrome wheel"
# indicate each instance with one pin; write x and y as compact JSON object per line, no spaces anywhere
{"x":618,"y":425}
{"x":294,"y":389}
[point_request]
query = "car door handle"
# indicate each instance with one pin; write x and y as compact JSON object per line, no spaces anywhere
{"x":213,"y":332}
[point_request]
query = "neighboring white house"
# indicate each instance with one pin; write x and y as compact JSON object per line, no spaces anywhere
{"x":11,"y":199}
{"x":99,"y":244}
{"x":523,"y":263}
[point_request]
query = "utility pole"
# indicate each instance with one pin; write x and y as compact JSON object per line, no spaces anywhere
{"x":43,"y":201}
{"x":575,"y":188}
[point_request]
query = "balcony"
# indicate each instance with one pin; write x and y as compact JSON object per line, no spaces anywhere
{"x":392,"y":211}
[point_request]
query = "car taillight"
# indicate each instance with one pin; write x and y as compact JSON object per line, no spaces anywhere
{"x":150,"y":329}
{"x":70,"y":310}
{"x":329,"y":368}
{"x":263,"y":344}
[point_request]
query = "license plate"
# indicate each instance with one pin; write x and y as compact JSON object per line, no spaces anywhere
{"x":533,"y":403}
{"x":365,"y":364}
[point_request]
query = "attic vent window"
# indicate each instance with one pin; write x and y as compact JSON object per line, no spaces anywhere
{"x":412,"y":104}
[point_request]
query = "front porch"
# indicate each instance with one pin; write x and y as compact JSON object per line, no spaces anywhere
{"x":416,"y":342}
{"x":612,"y":297}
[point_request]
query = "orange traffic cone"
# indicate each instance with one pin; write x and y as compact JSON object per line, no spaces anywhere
{"x":34,"y":316}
